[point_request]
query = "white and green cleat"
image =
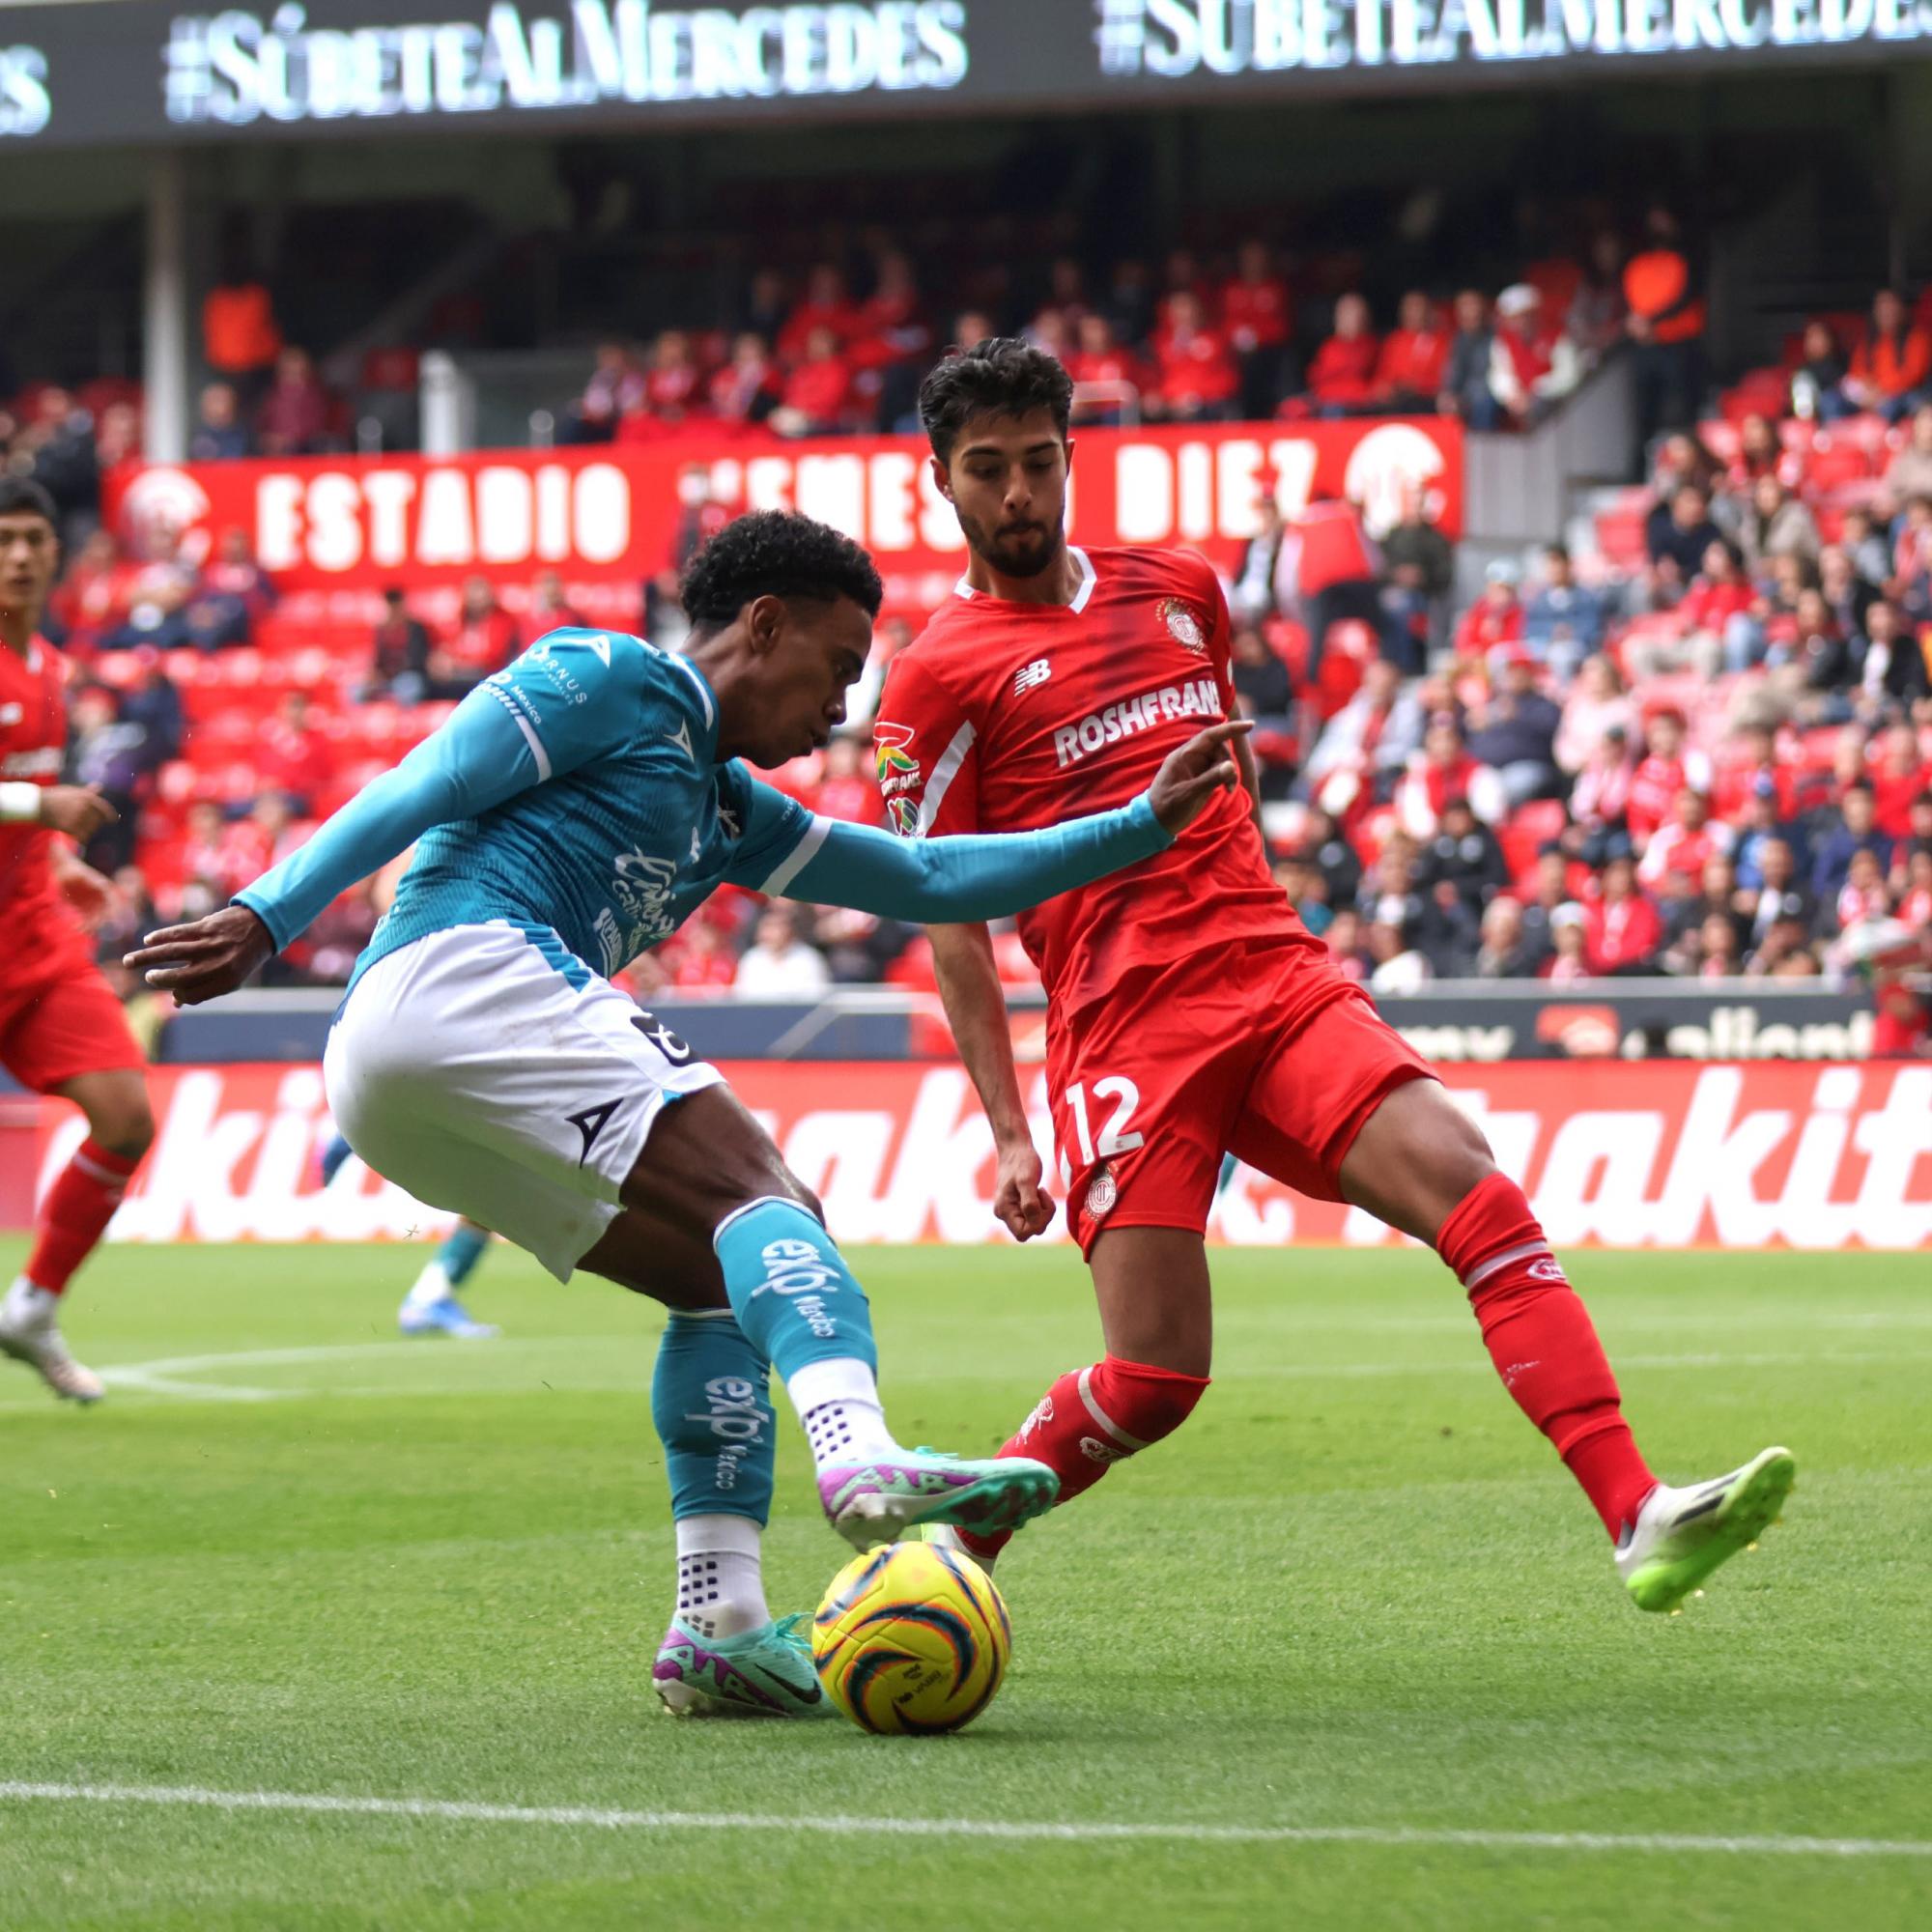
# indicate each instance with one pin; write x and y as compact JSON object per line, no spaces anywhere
{"x":767,"y":1673}
{"x":1680,"y":1536}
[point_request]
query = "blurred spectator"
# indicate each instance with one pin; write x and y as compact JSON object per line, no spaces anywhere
{"x":1909,"y":474}
{"x":1413,"y":356}
{"x":1508,"y":952}
{"x":1101,"y":364}
{"x":779,"y":965}
{"x":1899,"y":777}
{"x":220,"y":436}
{"x":398,"y":655}
{"x":893,"y":343}
{"x":1597,"y":310}
{"x":1895,"y":667}
{"x":1847,"y":595}
{"x":1514,"y":733}
{"x":1665,"y":326}
{"x":240,"y":339}
{"x":1195,"y":377}
{"x":1260,"y":679}
{"x":817,"y":395}
{"x":704,"y":963}
{"x":1856,"y":832}
{"x":1341,"y":377}
{"x":551,"y":609}
{"x":1563,"y":621}
{"x":1335,"y":579}
{"x":1818,"y":383}
{"x":1368,"y":741}
{"x":1890,"y":365}
{"x":1676,"y":537}
{"x":294,"y":416}
{"x":1623,"y":930}
{"x":153,"y":703}
{"x":1716,"y":627}
{"x":157,"y":597}
{"x":484,"y":641}
{"x":1443,"y":770}
{"x":1533,"y":365}
{"x":1865,"y":544}
{"x":1684,"y":843}
{"x":700,"y":516}
{"x":615,"y":389}
{"x":1778,"y":523}
{"x":1668,"y":769}
{"x":56,"y":449}
{"x":1600,"y":799}
{"x":1129,"y":301}
{"x":232,"y":593}
{"x":1258,"y":318}
{"x":1569,"y":941}
{"x":294,"y":757}
{"x":1465,"y":856}
{"x":673,"y":384}
{"x":824,"y":307}
{"x":745,"y":391}
{"x":1344,"y":940}
{"x":1418,"y":574}
{"x":1495,"y":619}
{"x":92,"y":599}
{"x":846,"y":790}
{"x":112,"y":755}
{"x":1466,"y":374}
{"x":1762,"y":453}
{"x":1401,"y":966}
{"x":1594,"y":706}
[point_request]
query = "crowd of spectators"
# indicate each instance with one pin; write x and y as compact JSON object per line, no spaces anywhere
{"x":1705,"y":751}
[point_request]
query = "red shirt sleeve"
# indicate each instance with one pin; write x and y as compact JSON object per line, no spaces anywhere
{"x":924,"y":743}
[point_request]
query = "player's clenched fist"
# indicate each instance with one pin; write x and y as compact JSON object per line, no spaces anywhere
{"x":205,"y":958}
{"x":79,"y":811}
{"x":1189,"y":777}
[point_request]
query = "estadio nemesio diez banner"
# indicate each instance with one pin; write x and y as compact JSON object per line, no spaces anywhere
{"x":610,"y":513}
{"x":1667,"y":1154}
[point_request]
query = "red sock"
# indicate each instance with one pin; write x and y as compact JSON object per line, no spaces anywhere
{"x":76,"y":1214}
{"x":1544,"y":1345}
{"x":1094,"y":1418}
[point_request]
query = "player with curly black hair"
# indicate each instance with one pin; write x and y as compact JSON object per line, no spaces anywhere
{"x":576,"y":807}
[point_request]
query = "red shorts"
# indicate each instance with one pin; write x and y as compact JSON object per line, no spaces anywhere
{"x":62,"y":1024}
{"x":1149,"y":1092}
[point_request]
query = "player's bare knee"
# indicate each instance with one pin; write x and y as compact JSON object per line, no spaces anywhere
{"x":705,"y":1158}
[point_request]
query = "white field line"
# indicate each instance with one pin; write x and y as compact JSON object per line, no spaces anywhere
{"x":169,"y":1376}
{"x":1076,"y":1831}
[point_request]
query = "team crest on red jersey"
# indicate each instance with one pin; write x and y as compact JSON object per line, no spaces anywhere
{"x":1182,"y":625}
{"x":899,"y":776}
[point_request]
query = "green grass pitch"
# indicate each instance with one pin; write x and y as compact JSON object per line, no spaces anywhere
{"x":1356,"y":1597}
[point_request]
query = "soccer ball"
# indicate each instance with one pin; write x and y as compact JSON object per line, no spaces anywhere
{"x":911,"y":1637}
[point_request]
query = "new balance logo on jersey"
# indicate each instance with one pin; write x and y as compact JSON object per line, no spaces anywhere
{"x":1199,"y":698}
{"x":590,"y":1124}
{"x":1029,"y":675}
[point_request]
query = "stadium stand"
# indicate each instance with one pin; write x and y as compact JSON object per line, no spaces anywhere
{"x":1700,"y":746}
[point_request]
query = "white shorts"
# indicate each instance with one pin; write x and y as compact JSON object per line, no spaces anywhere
{"x":494,"y":1076}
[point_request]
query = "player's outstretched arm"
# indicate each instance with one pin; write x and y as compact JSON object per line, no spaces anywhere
{"x":477,"y":759}
{"x":980,"y":877}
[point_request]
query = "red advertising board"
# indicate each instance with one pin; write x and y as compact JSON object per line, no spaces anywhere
{"x":1667,"y":1154}
{"x":610,"y":513}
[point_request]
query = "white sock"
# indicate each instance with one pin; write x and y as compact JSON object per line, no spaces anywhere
{"x":28,"y":1305}
{"x":839,"y":1403}
{"x":430,"y":1287}
{"x":721,"y":1585}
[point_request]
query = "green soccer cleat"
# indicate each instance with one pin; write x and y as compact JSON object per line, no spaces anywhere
{"x":767,"y":1673}
{"x":880,"y":1501}
{"x":1680,"y":1536}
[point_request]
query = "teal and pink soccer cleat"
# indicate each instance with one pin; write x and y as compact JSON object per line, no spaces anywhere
{"x":879,"y":1501}
{"x":1680,"y":1536}
{"x":765,"y":1672}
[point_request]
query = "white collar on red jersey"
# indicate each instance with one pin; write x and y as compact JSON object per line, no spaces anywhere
{"x":1088,"y":580}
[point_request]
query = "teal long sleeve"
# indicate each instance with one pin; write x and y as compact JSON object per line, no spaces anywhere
{"x":967,"y":877}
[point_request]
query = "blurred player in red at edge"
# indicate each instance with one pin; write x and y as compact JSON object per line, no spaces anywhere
{"x":1190,"y":1013}
{"x":60,"y":1028}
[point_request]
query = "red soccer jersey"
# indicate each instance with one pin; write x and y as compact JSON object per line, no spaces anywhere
{"x":35,"y":926}
{"x":1005,"y":717}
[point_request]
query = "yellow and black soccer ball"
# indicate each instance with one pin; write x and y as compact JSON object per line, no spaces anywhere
{"x":912,"y":1636}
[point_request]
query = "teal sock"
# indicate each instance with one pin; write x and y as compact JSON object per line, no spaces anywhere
{"x":461,"y":1250}
{"x":797,"y":1301}
{"x":711,"y":1403}
{"x":793,"y":1295}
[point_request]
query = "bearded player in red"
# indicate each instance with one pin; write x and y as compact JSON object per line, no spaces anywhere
{"x":1190,"y":1013}
{"x":62,"y":1030}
